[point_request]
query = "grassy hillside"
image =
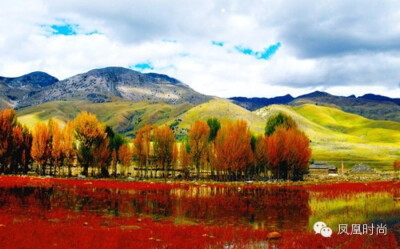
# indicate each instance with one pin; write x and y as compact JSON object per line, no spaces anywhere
{"x":334,"y":134}
{"x":4,"y":103}
{"x":362,"y":128}
{"x":222,"y":109}
{"x":377,"y":110}
{"x":124,"y":116}
{"x":338,"y":135}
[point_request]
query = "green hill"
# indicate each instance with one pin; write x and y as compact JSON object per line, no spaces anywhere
{"x":334,"y":134}
{"x":124,"y":116}
{"x":370,"y":106}
{"x":222,"y":109}
{"x":337,"y":135}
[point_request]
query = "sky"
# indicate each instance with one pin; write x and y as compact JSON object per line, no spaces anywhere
{"x":222,"y":48}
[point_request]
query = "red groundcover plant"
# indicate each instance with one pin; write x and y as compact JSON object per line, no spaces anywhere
{"x":70,"y":213}
{"x":62,"y":229}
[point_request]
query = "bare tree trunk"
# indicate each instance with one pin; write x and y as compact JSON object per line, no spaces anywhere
{"x":44,"y":169}
{"x":165,"y":172}
{"x":198,"y":169}
{"x":69,"y":170}
{"x":147,"y":165}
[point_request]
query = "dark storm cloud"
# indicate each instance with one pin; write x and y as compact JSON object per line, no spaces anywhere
{"x":311,"y":42}
{"x":336,"y":28}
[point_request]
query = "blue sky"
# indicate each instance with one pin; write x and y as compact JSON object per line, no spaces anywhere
{"x":217,"y":43}
{"x":260,"y":55}
{"x":144,"y":66}
{"x":63,"y":29}
{"x":223,"y":48}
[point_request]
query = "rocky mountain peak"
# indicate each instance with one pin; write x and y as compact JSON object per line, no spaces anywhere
{"x":110,"y":83}
{"x":34,"y":79}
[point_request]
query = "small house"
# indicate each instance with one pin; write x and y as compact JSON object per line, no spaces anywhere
{"x":362,"y":169}
{"x":323,"y":168}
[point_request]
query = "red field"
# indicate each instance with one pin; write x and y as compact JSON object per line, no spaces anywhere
{"x":63,"y":213}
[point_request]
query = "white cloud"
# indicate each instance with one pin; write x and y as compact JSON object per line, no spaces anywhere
{"x":334,"y":46}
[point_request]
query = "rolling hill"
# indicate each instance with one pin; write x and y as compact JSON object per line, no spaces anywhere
{"x":334,"y":134}
{"x":337,"y":135}
{"x":377,"y":107}
{"x":124,"y":116}
{"x":218,"y":108}
{"x":128,"y":116}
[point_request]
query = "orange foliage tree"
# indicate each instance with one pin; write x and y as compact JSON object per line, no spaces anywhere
{"x":233,"y":148}
{"x":214,"y":125}
{"x":68,"y":146}
{"x":261,"y":155}
{"x":24,"y":157}
{"x":55,"y":145}
{"x":8,"y":120}
{"x":101,"y":155}
{"x":184,"y":158}
{"x":17,"y":147}
{"x":198,"y":135}
{"x":40,"y":148}
{"x":230,"y":148}
{"x":146,"y":145}
{"x":138,"y":150}
{"x":164,"y":147}
{"x":297,"y":153}
{"x":90,"y":135}
{"x":289,"y":153}
{"x":125,"y":157}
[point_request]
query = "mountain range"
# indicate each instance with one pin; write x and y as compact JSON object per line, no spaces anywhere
{"x":369,"y":105}
{"x":116,"y":83}
{"x":97,"y":86}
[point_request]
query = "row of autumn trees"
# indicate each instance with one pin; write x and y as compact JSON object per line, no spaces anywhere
{"x":221,"y":150}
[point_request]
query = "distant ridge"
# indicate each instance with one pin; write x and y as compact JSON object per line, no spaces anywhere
{"x":256,"y":103}
{"x":380,"y":98}
{"x":369,"y":105}
{"x":316,"y":94}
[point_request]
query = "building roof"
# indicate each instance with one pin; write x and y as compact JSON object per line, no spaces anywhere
{"x":322,"y":166}
{"x":362,"y":168}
